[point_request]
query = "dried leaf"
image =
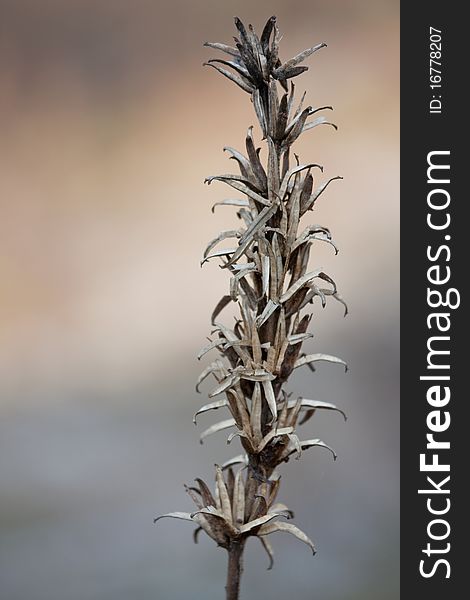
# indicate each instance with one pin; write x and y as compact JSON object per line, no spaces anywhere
{"x":288,"y":528}
{"x":249,"y":234}
{"x":256,"y":45}
{"x":209,"y":511}
{"x":265,"y":266}
{"x":193,"y":494}
{"x":281,"y":118}
{"x":257,"y":523}
{"x":273,"y":434}
{"x":294,"y":411}
{"x":218,"y":254}
{"x":235,"y":434}
{"x":290,"y":101}
{"x":273,"y":105}
{"x":267,"y":312}
{"x":299,"y":284}
{"x":316,"y":195}
{"x":212,"y":526}
{"x":222,"y":303}
{"x":226,"y":424}
{"x":205,"y":492}
{"x":243,"y":270}
{"x":256,"y":347}
{"x":240,"y":184}
{"x":240,"y":459}
{"x":319,"y":121}
{"x":231,"y":202}
{"x":255,"y":162}
{"x":298,"y":338}
{"x":239,"y":499}
{"x":251,"y":64}
{"x":295,"y":443}
{"x":259,"y":508}
{"x":298,"y":58}
{"x":256,"y":375}
{"x":309,"y":231}
{"x":305,"y":444}
{"x":244,"y":165}
{"x":269,"y":551}
{"x":321,"y":108}
{"x":282,"y":509}
{"x":223,"y":495}
{"x":306,"y":190}
{"x":285,"y":162}
{"x":273,"y":172}
{"x":314,"y":404}
{"x":224,"y":385}
{"x":233,"y":339}
{"x":243,"y":34}
{"x":274,"y":482}
{"x":255,"y":414}
{"x":237,"y":66}
{"x":266,"y":34}
{"x":296,"y":127}
{"x":297,"y":112}
{"x":196,"y":533}
{"x":215,"y":367}
{"x":337,"y":297}
{"x":293,"y":221}
{"x":175,"y":515}
{"x":241,"y":81}
{"x":209,"y":347}
{"x":293,"y":72}
{"x":277,"y":277}
{"x":259,"y":110}
{"x":323,"y":238}
{"x":270,"y":398}
{"x":227,"y":49}
{"x":211,"y":406}
{"x":240,"y":407}
{"x":222,"y":236}
{"x":283,"y":415}
{"x":293,"y":171}
{"x":274,"y":54}
{"x":310,"y":358}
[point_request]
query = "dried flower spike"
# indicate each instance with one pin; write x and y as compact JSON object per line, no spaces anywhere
{"x":270,"y":280}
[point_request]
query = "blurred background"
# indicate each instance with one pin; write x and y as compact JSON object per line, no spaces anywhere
{"x":109,"y":126}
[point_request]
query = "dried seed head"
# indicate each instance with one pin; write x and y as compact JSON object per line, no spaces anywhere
{"x":272,"y":284}
{"x":223,"y":516}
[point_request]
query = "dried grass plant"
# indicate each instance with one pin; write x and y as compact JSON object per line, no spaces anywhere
{"x":271,"y":282}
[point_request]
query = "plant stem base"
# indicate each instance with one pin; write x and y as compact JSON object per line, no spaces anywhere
{"x":234,"y":570}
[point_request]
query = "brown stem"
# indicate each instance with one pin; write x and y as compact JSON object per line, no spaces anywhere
{"x":234,"y":569}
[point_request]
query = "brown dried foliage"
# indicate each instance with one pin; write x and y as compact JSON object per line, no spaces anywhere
{"x":271,"y":282}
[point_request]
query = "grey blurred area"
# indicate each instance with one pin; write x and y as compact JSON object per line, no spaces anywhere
{"x":109,"y":126}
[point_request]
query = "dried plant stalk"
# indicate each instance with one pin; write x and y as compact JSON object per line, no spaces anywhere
{"x":271,"y":282}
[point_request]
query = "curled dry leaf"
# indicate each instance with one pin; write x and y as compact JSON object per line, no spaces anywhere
{"x":226,"y":424}
{"x":269,"y":551}
{"x":316,"y":442}
{"x":305,"y":403}
{"x":211,"y":406}
{"x":311,"y":358}
{"x":258,"y":522}
{"x":240,"y":80}
{"x":241,"y":459}
{"x":175,"y":515}
{"x":288,"y":528}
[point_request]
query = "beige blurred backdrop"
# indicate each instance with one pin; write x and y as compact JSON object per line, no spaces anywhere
{"x":109,"y":126}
